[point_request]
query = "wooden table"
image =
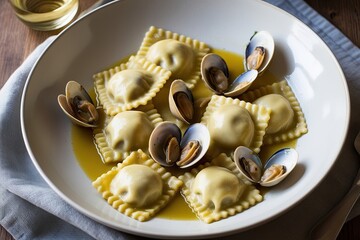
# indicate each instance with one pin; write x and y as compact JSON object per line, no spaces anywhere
{"x":17,"y":42}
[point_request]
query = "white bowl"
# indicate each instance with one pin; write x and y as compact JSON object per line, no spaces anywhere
{"x":116,"y":30}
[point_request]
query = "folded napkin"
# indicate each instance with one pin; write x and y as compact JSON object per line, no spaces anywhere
{"x":30,"y":209}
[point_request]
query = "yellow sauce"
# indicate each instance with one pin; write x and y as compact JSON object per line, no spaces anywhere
{"x":91,"y":163}
{"x":86,"y":153}
{"x":177,"y":209}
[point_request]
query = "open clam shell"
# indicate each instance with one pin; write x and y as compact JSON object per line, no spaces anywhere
{"x":159,"y":140}
{"x":276,"y":168}
{"x":181,"y":101}
{"x":259,"y":51}
{"x":78,"y":105}
{"x":215,"y":73}
{"x":68,"y":111}
{"x":162,"y":136}
{"x":241,"y":83}
{"x":248,"y":163}
{"x":196,"y":132}
{"x":286,"y":157}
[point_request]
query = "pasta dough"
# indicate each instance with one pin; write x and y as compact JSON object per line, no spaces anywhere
{"x":129,"y":131}
{"x":137,"y":185}
{"x":213,"y":193}
{"x":281,"y":116}
{"x":177,"y":53}
{"x":128,"y":85}
{"x":232,"y":122}
{"x":172,"y":55}
{"x":133,"y":187}
{"x":218,"y":192}
{"x":231,"y":126}
{"x":284,"y":127}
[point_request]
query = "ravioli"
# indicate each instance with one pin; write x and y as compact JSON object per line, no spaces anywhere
{"x":243,"y":124}
{"x":231,"y":125}
{"x":129,"y":130}
{"x":129,"y":85}
{"x":217,"y":193}
{"x":282,"y":115}
{"x":173,"y":55}
{"x":138,"y":187}
{"x":177,"y":53}
{"x":217,"y":190}
{"x":284,"y":126}
{"x":126,"y":132}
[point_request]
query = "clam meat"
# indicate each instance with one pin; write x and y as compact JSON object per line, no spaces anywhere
{"x":172,"y":150}
{"x":168,"y":147}
{"x":255,"y":59}
{"x":78,"y":106}
{"x":252,"y":170}
{"x":276,"y":168}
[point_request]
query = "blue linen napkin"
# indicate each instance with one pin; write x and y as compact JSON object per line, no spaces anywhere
{"x":30,"y":209}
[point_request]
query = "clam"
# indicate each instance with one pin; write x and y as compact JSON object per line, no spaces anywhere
{"x":258,"y":54}
{"x":215,"y":75}
{"x":276,"y":168}
{"x":241,"y":83}
{"x":78,"y":106}
{"x":181,"y":101}
{"x":259,"y":51}
{"x":168,"y":147}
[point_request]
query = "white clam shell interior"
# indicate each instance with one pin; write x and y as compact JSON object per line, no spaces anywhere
{"x":158,"y":138}
{"x":287,"y":157}
{"x":244,"y":152}
{"x":247,"y":77}
{"x":200,"y":133}
{"x":212,"y":60}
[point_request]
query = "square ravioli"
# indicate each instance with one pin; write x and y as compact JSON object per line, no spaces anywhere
{"x":287,"y":120}
{"x":129,"y":85}
{"x":138,"y":187}
{"x":125,"y":132}
{"x":234,"y":123}
{"x":215,"y":198}
{"x":177,"y":53}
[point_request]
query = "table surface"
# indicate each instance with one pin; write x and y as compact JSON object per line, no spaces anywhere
{"x":17,"y":41}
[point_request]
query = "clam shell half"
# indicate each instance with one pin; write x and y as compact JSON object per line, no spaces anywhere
{"x":241,"y":83}
{"x":200,"y":133}
{"x":215,"y":73}
{"x":261,"y":39}
{"x":242,"y":154}
{"x":181,"y":101}
{"x":286,"y":157}
{"x":158,"y":140}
